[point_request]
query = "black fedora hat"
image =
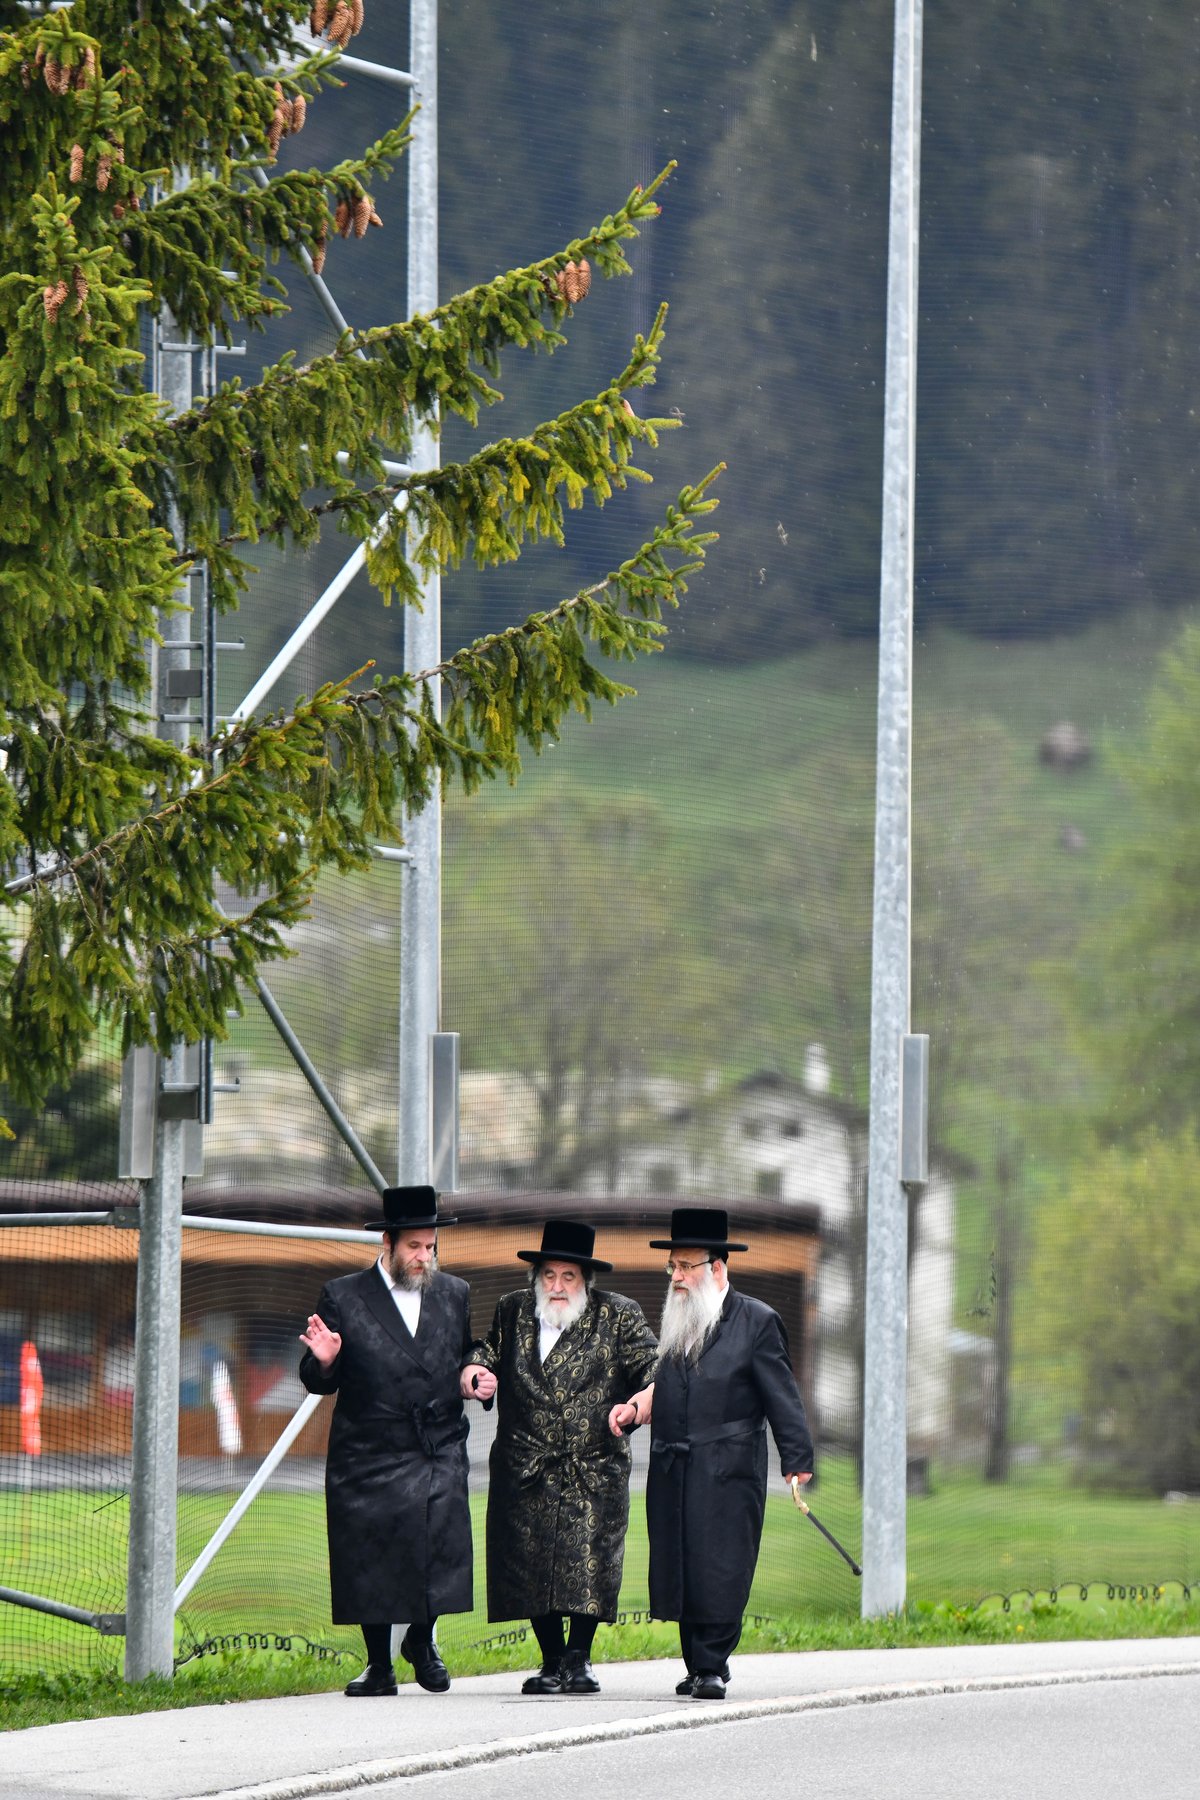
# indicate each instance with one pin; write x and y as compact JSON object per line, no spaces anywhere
{"x":566,"y":1240}
{"x":414,"y":1207}
{"x":698,"y":1228}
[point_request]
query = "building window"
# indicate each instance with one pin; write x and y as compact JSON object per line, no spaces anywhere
{"x":791,"y":1128}
{"x":768,"y":1184}
{"x":662,"y":1178}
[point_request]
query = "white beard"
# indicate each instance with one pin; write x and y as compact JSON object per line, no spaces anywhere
{"x":557,"y":1313}
{"x":689,"y":1318}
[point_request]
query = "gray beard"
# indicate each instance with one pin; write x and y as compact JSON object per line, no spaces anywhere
{"x":689,"y":1319}
{"x":413,"y":1281}
{"x":557,"y":1316}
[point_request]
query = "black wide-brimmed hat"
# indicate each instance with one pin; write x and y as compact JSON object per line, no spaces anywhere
{"x":405,"y":1207}
{"x":566,"y":1240}
{"x":698,"y":1228}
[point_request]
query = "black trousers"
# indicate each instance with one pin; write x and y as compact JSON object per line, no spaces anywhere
{"x":707,"y":1646}
{"x":378,"y":1639}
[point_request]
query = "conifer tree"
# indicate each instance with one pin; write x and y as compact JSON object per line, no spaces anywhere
{"x":136,"y":138}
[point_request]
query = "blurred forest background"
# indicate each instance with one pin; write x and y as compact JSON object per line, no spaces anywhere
{"x":680,"y":893}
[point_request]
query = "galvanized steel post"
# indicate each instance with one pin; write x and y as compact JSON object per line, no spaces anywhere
{"x":420,"y":943}
{"x":149,"y":1607}
{"x":886,"y":1326}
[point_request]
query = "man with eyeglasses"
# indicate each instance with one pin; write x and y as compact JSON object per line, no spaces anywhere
{"x":723,"y":1373}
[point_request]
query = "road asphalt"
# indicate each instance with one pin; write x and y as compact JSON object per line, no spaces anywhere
{"x":322,"y":1744}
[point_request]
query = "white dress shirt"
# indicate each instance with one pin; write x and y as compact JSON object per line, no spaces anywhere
{"x":408,"y":1300}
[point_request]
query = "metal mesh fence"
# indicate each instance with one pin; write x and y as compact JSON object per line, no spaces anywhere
{"x":657,"y":945}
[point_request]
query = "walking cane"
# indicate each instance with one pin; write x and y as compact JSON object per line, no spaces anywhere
{"x":808,"y":1512}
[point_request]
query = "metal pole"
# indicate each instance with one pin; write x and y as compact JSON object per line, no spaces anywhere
{"x":150,"y":1634}
{"x":283,"y":659}
{"x":886,"y":1327}
{"x":308,"y":1069}
{"x":420,"y":930}
{"x":150,"y":1613}
{"x":254,"y":1486}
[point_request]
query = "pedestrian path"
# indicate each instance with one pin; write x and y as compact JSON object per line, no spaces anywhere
{"x":312,"y":1745}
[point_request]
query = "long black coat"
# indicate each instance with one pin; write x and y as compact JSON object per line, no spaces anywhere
{"x":558,"y":1497}
{"x":707,"y":1487}
{"x":396,"y":1473}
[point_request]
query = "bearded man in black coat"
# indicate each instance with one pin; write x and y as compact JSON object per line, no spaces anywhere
{"x":723,"y":1372}
{"x":389,"y":1341}
{"x":561,"y":1350}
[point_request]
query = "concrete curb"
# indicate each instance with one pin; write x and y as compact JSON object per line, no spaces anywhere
{"x":370,"y":1774}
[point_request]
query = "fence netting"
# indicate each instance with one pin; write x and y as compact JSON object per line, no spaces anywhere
{"x":657,"y":944}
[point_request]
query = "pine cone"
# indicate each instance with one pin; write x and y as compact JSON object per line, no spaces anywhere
{"x":583,"y":273}
{"x":79,"y":283}
{"x":85,"y":73}
{"x":53,"y":295}
{"x":103,"y":171}
{"x":341,"y":25}
{"x":299,"y":113}
{"x":318,"y":255}
{"x":571,"y":283}
{"x":356,"y":17}
{"x":118,"y":210}
{"x":281,"y":121}
{"x":362,"y":215}
{"x":318,"y":16}
{"x":76,"y":162}
{"x":343,"y":218}
{"x":374,"y":218}
{"x":625,"y":404}
{"x":26,"y":76}
{"x":39,"y":56}
{"x":53,"y":73}
{"x":135,"y":201}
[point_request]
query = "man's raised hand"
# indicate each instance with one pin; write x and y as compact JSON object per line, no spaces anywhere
{"x":325,"y":1345}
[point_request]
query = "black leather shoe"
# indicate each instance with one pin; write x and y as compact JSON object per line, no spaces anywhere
{"x":708,"y":1687}
{"x":548,"y":1680}
{"x":376,"y":1678}
{"x":578,"y":1676}
{"x":428,"y":1666}
{"x":683,"y":1688}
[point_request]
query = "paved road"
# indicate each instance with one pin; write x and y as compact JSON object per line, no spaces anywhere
{"x":966,"y":1718}
{"x":1130,"y":1740}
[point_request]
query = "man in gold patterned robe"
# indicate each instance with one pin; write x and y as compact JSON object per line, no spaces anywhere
{"x":562,"y":1352}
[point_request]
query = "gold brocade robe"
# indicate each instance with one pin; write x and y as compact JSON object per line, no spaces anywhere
{"x":558,"y":1499}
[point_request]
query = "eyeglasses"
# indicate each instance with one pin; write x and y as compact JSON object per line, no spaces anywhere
{"x":680,"y":1268}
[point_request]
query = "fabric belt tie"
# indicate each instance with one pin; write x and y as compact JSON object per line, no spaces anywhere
{"x":536,"y":1458}
{"x":421,"y":1418}
{"x":710,"y":1434}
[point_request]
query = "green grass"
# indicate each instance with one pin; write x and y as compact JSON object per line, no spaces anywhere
{"x":38,"y":1698}
{"x":968,"y":1543}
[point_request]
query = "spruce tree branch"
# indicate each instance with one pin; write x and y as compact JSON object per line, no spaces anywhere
{"x":468,"y":743}
{"x":586,"y":447}
{"x":474,"y":313}
{"x":692,"y":501}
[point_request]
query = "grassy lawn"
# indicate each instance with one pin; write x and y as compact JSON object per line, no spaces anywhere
{"x":967,"y":1544}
